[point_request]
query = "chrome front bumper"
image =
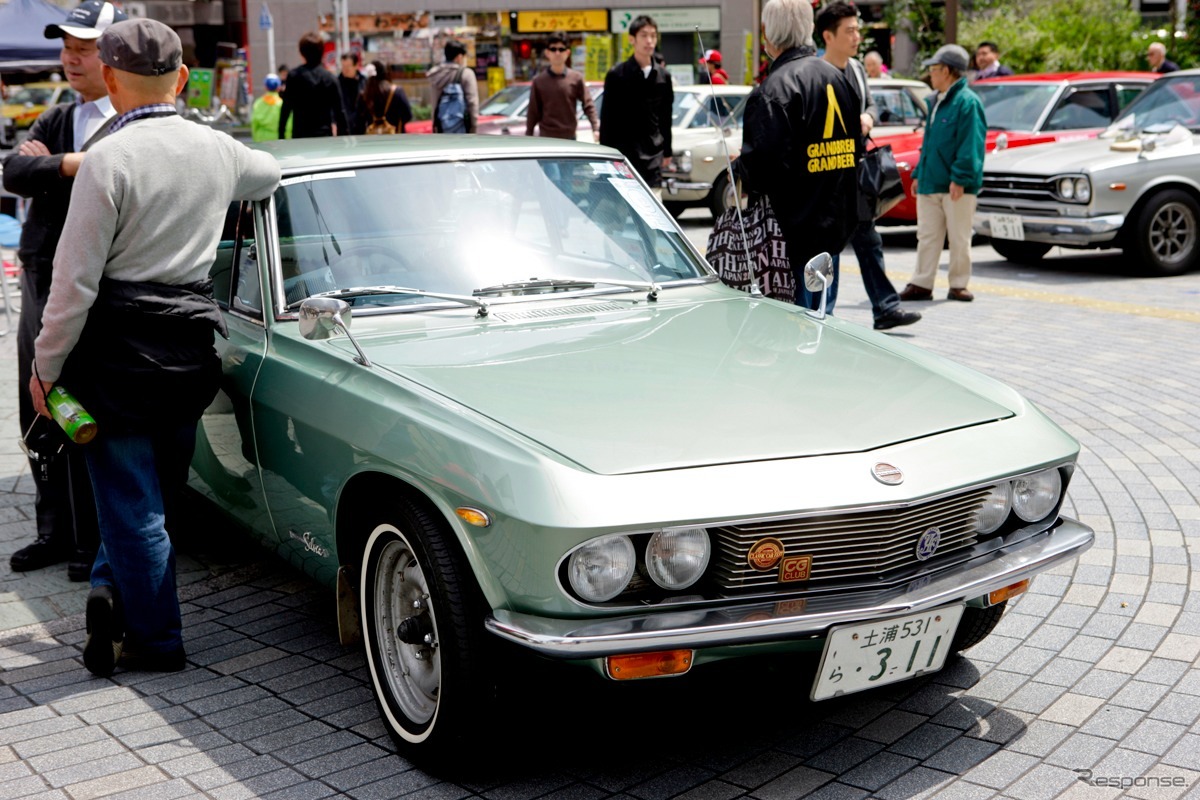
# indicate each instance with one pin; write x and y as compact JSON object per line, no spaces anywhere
{"x":788,"y":619}
{"x":674,"y":186}
{"x":1078,"y":231}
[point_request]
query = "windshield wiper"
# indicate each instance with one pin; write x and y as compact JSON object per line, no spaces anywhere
{"x":362,"y":291}
{"x":652,"y":289}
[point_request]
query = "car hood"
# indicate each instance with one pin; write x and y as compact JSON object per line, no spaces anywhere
{"x":617,"y":385}
{"x":1091,"y":155}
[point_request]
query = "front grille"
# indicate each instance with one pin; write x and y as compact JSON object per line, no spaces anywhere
{"x":852,"y":547}
{"x":1017,"y":187}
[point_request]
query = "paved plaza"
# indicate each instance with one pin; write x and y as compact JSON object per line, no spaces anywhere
{"x":1089,"y":688}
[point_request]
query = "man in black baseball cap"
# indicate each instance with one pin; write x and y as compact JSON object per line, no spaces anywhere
{"x":43,"y":170}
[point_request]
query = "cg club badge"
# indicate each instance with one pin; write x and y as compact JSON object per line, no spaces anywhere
{"x":927,"y":545}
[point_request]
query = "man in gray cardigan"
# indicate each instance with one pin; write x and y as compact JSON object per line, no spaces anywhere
{"x":129,"y":330}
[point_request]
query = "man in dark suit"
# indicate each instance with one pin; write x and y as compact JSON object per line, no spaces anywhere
{"x":635,"y":117}
{"x":43,"y":169}
{"x":987,"y":61}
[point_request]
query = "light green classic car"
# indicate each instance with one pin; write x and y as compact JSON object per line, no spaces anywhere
{"x":550,"y":425}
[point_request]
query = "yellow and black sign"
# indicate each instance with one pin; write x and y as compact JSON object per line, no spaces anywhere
{"x":567,"y":20}
{"x":829,"y":153}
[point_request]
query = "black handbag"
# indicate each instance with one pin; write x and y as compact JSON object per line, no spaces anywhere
{"x":761,"y":242}
{"x":878,"y":182}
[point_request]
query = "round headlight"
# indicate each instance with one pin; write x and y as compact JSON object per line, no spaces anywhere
{"x":1036,"y":495}
{"x":995,"y":508}
{"x":1083,"y":190}
{"x":675,"y":559}
{"x":601,"y":569}
{"x":1066,"y":188}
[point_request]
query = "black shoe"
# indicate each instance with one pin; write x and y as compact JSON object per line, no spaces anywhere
{"x":895,"y":318}
{"x":172,"y":661}
{"x":79,"y":568}
{"x":103,"y":645}
{"x":37,"y":555}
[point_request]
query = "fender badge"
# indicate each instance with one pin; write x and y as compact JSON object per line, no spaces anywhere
{"x":765,"y":554}
{"x":886,"y":473}
{"x":927,"y":545}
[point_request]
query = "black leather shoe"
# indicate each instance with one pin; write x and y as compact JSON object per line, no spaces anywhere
{"x":79,"y":567}
{"x":896,"y":318}
{"x":37,"y":555}
{"x":914,"y":292}
{"x":173,"y":661}
{"x":103,"y":645}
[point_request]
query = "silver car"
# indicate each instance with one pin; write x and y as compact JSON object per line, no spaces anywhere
{"x":1136,"y":187}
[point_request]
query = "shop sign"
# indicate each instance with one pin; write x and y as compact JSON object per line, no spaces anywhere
{"x":598,"y":57}
{"x":378,"y":23}
{"x":669,"y":20}
{"x":200,"y":88}
{"x":449,"y":20}
{"x":567,"y":20}
{"x":178,"y":14}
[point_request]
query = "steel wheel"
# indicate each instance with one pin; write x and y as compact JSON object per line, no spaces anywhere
{"x":1168,"y":234}
{"x":410,"y":659}
{"x":423,"y":631}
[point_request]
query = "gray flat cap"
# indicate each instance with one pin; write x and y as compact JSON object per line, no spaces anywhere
{"x":952,"y":56}
{"x":141,"y":46}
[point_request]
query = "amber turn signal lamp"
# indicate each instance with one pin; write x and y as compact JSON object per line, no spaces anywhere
{"x":649,"y":665}
{"x":1000,"y":595}
{"x":473,"y":516}
{"x":1117,"y":187}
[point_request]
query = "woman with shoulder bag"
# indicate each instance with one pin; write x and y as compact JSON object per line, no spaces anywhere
{"x":382,"y":107}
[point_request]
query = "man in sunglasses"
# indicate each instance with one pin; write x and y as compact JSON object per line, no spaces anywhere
{"x":555,"y":95}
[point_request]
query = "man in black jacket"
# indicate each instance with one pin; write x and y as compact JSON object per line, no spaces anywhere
{"x":312,"y":95}
{"x":635,"y":117}
{"x":43,"y":169}
{"x":801,"y":141}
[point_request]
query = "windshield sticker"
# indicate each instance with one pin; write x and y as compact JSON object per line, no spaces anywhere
{"x":643,"y":204}
{"x":623,"y":169}
{"x":320,"y":176}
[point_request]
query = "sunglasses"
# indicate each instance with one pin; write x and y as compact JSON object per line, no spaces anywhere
{"x":557,"y":49}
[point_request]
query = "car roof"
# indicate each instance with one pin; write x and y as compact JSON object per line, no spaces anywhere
{"x":886,"y":81}
{"x":1072,"y":77}
{"x":718,"y":88}
{"x":301,"y":155}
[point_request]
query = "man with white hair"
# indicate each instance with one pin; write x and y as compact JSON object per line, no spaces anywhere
{"x":1156,"y":55}
{"x":874,"y":64}
{"x":801,"y":142}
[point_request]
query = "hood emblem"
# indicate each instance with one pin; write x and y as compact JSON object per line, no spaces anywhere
{"x":927,"y":545}
{"x":886,"y":473}
{"x":765,"y":554}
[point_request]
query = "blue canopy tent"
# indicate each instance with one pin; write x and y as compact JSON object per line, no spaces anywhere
{"x":23,"y":45}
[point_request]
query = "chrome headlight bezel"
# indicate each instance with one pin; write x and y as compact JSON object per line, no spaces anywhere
{"x":1036,"y":495}
{"x":600,"y":569}
{"x":996,"y":508}
{"x":677,"y":557}
{"x":1072,"y":188}
{"x":682,"y":161}
{"x":1083,"y":190}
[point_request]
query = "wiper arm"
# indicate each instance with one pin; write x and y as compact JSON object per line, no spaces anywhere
{"x":361,"y":291}
{"x":651,"y":287}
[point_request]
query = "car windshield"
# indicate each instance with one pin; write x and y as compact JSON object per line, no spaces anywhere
{"x":1168,"y":101}
{"x":38,"y":96}
{"x":461,"y":227}
{"x":705,"y":110}
{"x":506,"y":102}
{"x":1014,"y":106}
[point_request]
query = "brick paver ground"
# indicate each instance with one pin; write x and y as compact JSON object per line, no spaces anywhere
{"x":1094,"y":674}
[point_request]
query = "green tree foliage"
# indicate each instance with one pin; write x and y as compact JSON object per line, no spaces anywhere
{"x":1058,"y":35}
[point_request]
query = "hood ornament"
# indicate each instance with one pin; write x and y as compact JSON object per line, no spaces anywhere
{"x":886,"y":473}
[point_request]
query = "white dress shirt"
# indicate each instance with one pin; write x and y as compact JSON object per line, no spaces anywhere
{"x":89,"y":117}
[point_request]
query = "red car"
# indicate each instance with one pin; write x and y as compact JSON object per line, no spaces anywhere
{"x":503,"y":104}
{"x":1030,"y":109}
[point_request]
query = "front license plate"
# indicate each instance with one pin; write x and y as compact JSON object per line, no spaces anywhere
{"x":859,"y":657}
{"x":1007,"y":226}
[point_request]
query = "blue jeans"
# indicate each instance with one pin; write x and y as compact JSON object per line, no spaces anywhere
{"x":136,"y":476}
{"x":868,"y":248}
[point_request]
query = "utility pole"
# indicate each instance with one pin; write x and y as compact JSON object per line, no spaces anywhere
{"x":951,"y":24}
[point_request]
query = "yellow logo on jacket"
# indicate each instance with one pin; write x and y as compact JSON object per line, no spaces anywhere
{"x":830,"y":154}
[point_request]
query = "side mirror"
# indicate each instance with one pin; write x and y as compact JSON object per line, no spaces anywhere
{"x":818,"y":275}
{"x":320,"y":317}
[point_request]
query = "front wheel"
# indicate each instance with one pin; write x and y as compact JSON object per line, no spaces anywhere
{"x":1028,"y":253}
{"x":1167,"y":237}
{"x":975,"y":625}
{"x":423,"y":632}
{"x":724,"y":195}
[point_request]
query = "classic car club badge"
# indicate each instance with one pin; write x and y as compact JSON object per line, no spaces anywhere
{"x":795,"y":568}
{"x":927,"y":545}
{"x":886,"y":473}
{"x":765,"y":554}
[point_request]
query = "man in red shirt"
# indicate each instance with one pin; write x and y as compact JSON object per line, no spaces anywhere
{"x":555,"y":93}
{"x":712,"y":72}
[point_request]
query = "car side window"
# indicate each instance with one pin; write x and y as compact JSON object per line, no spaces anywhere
{"x":234,"y":272}
{"x":1084,"y":108}
{"x":1126,"y":95}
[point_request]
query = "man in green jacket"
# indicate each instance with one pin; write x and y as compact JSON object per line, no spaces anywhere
{"x":949,"y":175}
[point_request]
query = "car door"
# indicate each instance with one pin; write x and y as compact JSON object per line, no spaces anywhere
{"x":225,"y":465}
